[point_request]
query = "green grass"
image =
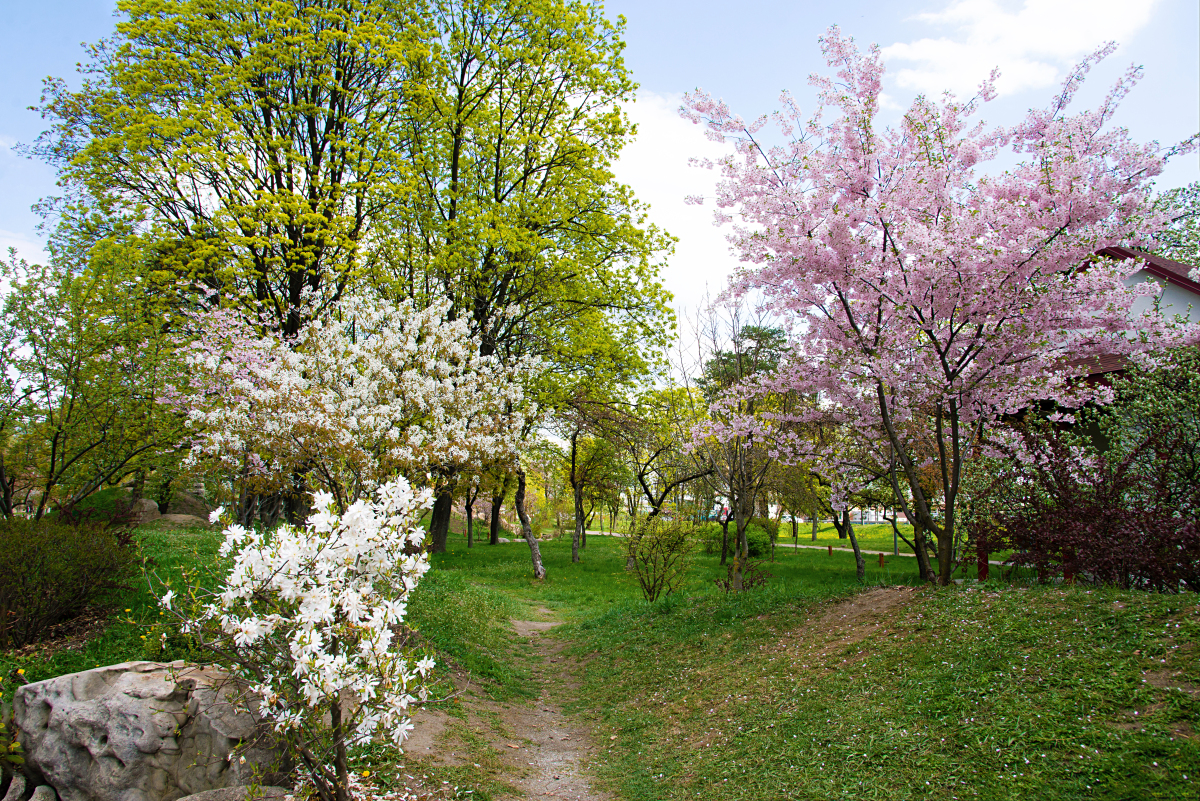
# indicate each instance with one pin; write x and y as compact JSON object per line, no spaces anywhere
{"x":870,"y":536}
{"x":993,"y":692}
{"x":133,"y":612}
{"x":1021,"y":693}
{"x":577,"y":591}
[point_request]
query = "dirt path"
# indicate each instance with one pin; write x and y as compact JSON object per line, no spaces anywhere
{"x":558,"y":748}
{"x":529,"y":745}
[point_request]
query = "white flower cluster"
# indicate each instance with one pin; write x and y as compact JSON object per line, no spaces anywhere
{"x":311,"y":613}
{"x":372,"y":390}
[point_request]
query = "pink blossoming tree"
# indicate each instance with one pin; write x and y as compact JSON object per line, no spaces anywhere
{"x":927,"y":290}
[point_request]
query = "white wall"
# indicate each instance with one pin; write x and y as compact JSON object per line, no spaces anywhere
{"x":1175,"y":299}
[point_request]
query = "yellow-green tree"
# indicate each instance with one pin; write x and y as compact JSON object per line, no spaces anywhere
{"x":267,"y":139}
{"x":518,"y":220}
{"x":87,"y":357}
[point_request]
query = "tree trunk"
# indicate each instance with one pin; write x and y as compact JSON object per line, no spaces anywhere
{"x":815,"y":523}
{"x":945,"y":552}
{"x":341,"y":763}
{"x":439,"y":522}
{"x":535,"y":553}
{"x":795,"y":532}
{"x":470,"y":503}
{"x":741,"y":551}
{"x":724,"y":539}
{"x":494,"y":528}
{"x":6,"y":490}
{"x":270,"y":507}
{"x":577,"y":534}
{"x":923,"y":567}
{"x":860,"y":566}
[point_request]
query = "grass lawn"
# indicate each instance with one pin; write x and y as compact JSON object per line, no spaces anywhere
{"x":1004,"y":692}
{"x":806,"y":688}
{"x":870,"y":536}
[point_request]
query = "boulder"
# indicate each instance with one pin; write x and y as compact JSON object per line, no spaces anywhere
{"x":143,"y":731}
{"x":184,"y":521}
{"x":239,"y":794}
{"x":145,"y":510}
{"x":185,"y":503}
{"x":16,"y":788}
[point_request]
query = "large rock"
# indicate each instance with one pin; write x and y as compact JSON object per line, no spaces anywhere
{"x":144,"y":510}
{"x":143,"y":731}
{"x":240,"y":794}
{"x":185,"y":503}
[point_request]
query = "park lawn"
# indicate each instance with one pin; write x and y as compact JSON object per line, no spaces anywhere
{"x":599,"y":580}
{"x":775,"y":693}
{"x":1000,"y":693}
{"x":943,"y":695}
{"x":870,"y":536}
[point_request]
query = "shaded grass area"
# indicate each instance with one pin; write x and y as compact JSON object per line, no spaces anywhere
{"x":123,"y":622}
{"x":464,"y":622}
{"x":1020,"y":693}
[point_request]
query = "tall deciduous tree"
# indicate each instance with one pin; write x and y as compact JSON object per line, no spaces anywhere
{"x":517,"y":222}
{"x":739,"y":456}
{"x":926,"y":296}
{"x":269,"y":138}
{"x":88,"y":350}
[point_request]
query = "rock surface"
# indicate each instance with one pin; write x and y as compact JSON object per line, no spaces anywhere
{"x":188,"y":521}
{"x":185,"y":503}
{"x":142,"y":731}
{"x":16,"y":789}
{"x":238,"y":794}
{"x":43,"y":793}
{"x":145,"y":510}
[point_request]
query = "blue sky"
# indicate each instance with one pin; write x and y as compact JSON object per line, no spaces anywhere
{"x":745,"y":52}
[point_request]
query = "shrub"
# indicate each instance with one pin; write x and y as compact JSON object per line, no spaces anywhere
{"x":1114,"y":517}
{"x":769,"y":527}
{"x":307,"y":617}
{"x":753,"y":575}
{"x":660,"y":549}
{"x":51,"y":570}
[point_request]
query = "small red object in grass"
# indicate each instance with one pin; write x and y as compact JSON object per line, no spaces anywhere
{"x":831,"y":550}
{"x":881,"y":560}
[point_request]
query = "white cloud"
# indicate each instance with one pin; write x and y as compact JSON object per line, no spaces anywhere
{"x":656,"y":166}
{"x":1032,"y":45}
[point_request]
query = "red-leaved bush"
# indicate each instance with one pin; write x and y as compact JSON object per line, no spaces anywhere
{"x":1112,"y":519}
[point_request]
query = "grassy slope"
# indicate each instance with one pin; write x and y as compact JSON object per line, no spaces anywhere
{"x":711,"y":696}
{"x":1021,"y":693}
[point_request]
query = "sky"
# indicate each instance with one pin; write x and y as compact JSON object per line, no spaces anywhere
{"x":744,"y":52}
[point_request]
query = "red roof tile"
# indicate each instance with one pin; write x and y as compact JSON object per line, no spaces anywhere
{"x":1174,"y":272}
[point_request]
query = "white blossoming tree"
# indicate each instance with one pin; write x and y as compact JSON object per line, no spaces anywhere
{"x":358,"y":404}
{"x":307,"y":618}
{"x":370,"y":391}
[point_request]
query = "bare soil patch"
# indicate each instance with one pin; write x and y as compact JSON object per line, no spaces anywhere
{"x":70,"y":635}
{"x":828,"y":640}
{"x":529,"y":745}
